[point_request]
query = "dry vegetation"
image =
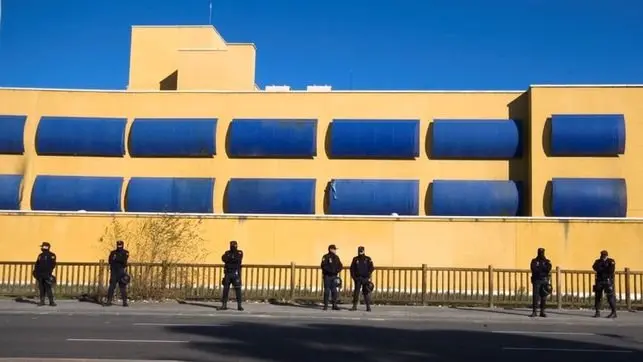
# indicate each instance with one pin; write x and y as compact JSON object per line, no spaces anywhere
{"x":158,"y":247}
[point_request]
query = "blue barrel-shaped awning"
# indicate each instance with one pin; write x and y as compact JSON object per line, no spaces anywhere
{"x":475,"y":139}
{"x":174,"y":195}
{"x":374,"y":139}
{"x":270,"y":196}
{"x":276,"y":138}
{"x":10,"y":188}
{"x":76,"y":193}
{"x":173,"y":137}
{"x":373,"y":197}
{"x":81,"y":136}
{"x":475,"y":198}
{"x":12,"y":130}
{"x":587,"y":135}
{"x":589,"y":197}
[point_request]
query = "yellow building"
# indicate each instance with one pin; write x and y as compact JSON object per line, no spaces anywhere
{"x":463,"y":179}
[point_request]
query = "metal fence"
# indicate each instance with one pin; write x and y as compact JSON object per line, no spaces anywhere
{"x":421,"y":285}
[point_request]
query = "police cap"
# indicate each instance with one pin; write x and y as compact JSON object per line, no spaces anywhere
{"x":45,"y":245}
{"x":604,"y":253}
{"x":120,"y":243}
{"x":360,"y":249}
{"x":332,"y":247}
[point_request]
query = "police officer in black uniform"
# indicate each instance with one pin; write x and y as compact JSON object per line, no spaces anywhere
{"x":117,"y":273}
{"x":604,"y":283}
{"x":331,"y":266}
{"x":43,"y":272}
{"x":361,"y":270}
{"x":232,"y":260}
{"x":540,"y":270}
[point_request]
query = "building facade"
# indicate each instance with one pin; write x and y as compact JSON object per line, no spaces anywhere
{"x":428,"y":176}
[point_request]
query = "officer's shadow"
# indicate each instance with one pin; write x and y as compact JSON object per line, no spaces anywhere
{"x":26,"y":301}
{"x":496,"y":311}
{"x":295,"y":304}
{"x":90,"y":298}
{"x":525,"y":313}
{"x":197,"y":304}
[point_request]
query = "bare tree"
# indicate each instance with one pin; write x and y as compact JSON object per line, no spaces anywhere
{"x":159,"y":247}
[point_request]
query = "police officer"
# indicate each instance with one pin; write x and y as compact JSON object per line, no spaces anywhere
{"x":117,"y":274}
{"x":604,"y":283}
{"x":540,"y":269}
{"x":331,"y":266}
{"x":361,"y":270}
{"x":43,"y":273}
{"x":232,"y":260}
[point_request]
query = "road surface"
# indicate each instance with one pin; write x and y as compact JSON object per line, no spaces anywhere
{"x":169,"y":331}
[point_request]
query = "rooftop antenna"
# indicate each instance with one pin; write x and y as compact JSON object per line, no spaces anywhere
{"x":210,"y":13}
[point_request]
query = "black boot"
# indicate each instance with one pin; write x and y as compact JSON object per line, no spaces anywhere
{"x":533,"y":314}
{"x":239,"y":307}
{"x":354,"y":308}
{"x":335,"y":307}
{"x":612,"y":315}
{"x":597,"y":314}
{"x":224,"y":306}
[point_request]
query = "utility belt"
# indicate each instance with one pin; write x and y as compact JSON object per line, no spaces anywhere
{"x":233,"y":277}
{"x":606,"y":285}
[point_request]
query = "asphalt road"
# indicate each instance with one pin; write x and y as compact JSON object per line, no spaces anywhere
{"x":269,"y":333}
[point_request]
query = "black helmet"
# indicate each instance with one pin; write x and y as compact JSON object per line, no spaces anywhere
{"x":370,"y":286}
{"x":338,"y":282}
{"x":125,"y":279}
{"x":545,"y":290}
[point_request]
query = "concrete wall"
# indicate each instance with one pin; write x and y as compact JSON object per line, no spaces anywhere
{"x":504,"y":243}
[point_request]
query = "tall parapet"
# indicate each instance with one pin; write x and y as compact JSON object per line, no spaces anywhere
{"x":189,"y":58}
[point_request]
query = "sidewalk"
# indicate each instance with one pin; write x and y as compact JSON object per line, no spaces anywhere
{"x":264,"y":310}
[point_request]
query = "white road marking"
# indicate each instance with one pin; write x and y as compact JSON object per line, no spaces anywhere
{"x":547,"y":333}
{"x":123,"y":340}
{"x":176,"y":325}
{"x":566,"y":350}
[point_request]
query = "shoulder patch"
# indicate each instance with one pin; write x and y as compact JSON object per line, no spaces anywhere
{"x":53,"y":256}
{"x":240,"y":252}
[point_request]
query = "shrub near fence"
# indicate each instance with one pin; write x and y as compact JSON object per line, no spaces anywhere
{"x":399,"y":285}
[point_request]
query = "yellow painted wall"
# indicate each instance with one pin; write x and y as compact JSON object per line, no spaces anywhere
{"x":198,"y":54}
{"x":504,"y":243}
{"x":546,"y":101}
{"x":217,"y":69}
{"x":228,"y":105}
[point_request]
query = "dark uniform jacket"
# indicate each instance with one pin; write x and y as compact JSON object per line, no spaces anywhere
{"x":45,"y":265}
{"x":118,"y":261}
{"x":232,"y":260}
{"x":362,"y":267}
{"x":604,"y":269}
{"x":331,"y":265}
{"x":540,"y":269}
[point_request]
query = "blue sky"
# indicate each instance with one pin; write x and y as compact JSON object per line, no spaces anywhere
{"x":349,"y":44}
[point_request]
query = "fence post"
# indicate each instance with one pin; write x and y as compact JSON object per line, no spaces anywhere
{"x":491,"y":288}
{"x":628,"y":291}
{"x":101,"y":278}
{"x":424,"y":283}
{"x":559,"y":297}
{"x":293,"y":267}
